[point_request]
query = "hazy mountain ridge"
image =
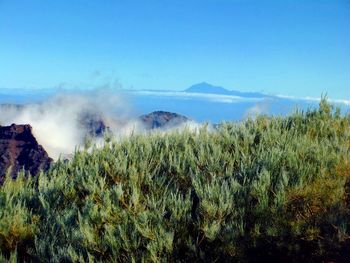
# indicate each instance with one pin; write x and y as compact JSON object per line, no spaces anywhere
{"x":207,"y":88}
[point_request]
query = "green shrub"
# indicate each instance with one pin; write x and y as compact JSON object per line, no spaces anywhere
{"x":273,"y":188}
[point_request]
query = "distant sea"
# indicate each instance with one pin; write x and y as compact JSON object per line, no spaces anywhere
{"x":199,"y":107}
{"x":203,"y":110}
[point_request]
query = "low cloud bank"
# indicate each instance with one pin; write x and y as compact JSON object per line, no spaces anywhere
{"x":200,"y":96}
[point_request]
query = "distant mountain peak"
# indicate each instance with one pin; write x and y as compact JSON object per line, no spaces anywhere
{"x":205,"y":87}
{"x":203,"y":83}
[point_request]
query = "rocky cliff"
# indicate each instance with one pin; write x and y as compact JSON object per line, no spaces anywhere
{"x":20,"y":150}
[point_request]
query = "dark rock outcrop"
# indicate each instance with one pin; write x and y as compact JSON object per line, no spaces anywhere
{"x":20,"y":150}
{"x":162,"y":119}
{"x":93,"y":123}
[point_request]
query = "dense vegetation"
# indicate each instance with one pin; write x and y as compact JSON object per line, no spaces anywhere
{"x":273,"y":189}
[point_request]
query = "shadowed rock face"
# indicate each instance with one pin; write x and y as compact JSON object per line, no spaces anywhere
{"x":162,"y":119}
{"x":20,"y":150}
{"x":93,"y":124}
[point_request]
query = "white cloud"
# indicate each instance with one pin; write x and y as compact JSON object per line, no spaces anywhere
{"x":259,"y":108}
{"x":203,"y":96}
{"x":315,"y":99}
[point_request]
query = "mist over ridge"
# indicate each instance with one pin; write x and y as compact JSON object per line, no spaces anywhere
{"x":61,"y":120}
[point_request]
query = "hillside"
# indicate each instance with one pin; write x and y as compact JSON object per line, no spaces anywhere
{"x":19,"y":148}
{"x":263,"y":190}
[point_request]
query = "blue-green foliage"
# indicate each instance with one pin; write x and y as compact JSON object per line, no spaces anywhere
{"x":270,"y":188}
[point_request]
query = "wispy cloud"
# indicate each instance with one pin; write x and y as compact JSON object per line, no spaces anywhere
{"x":201,"y":96}
{"x":315,"y":99}
{"x":261,"y":107}
{"x":228,"y":98}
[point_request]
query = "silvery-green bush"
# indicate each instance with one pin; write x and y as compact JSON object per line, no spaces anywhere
{"x":272,"y":188}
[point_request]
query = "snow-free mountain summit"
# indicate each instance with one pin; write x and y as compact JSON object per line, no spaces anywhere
{"x":207,"y":88}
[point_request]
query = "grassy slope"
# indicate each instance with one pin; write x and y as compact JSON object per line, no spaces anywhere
{"x":270,"y":188}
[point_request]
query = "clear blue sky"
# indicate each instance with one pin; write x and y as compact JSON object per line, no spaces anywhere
{"x":296,"y":47}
